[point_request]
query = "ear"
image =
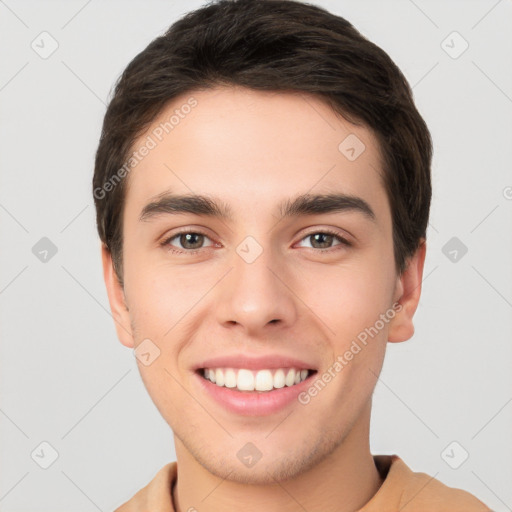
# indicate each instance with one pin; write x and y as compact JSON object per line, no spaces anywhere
{"x":407,"y":294}
{"x":116,"y":299}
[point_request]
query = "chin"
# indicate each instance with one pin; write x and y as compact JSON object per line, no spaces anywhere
{"x":269,"y":469}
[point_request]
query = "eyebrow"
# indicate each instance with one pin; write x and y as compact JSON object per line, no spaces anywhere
{"x":302,"y":205}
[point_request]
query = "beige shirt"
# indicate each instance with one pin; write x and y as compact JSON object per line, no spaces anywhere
{"x":402,"y":489}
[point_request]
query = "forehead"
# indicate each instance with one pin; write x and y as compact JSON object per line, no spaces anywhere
{"x":255,"y":148}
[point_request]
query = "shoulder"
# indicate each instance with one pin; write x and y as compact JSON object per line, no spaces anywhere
{"x":156,"y":495}
{"x":417,"y":491}
{"x":426,"y":491}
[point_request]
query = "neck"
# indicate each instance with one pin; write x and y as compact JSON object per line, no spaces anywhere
{"x":343,"y":481}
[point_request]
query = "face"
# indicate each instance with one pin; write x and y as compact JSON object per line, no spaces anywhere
{"x":276,"y":283}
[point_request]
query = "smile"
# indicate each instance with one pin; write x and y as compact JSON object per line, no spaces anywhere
{"x":253,"y":392}
{"x":250,"y":380}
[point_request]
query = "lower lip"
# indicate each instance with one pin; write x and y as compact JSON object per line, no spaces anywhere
{"x":253,"y":403}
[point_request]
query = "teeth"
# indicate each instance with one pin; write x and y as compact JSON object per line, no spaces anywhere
{"x":262,"y":380}
{"x":245,"y":380}
{"x":219,"y":377}
{"x":290,"y":377}
{"x":230,"y":378}
{"x":279,"y":378}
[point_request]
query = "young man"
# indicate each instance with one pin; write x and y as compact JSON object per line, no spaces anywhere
{"x":262,"y":187}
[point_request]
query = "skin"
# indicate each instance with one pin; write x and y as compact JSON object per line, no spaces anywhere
{"x":254,"y":149}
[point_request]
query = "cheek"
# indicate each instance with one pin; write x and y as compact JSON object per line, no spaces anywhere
{"x":158,"y":296}
{"x":160,"y":305}
{"x":347,"y":298}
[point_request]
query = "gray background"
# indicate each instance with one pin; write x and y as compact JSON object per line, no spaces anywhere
{"x":66,"y":380}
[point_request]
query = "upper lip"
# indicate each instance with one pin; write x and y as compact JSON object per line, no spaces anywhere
{"x":270,"y":361}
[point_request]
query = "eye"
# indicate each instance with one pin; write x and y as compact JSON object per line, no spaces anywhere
{"x":189,"y":242}
{"x":324,"y":239}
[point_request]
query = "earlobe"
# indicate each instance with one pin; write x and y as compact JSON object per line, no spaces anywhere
{"x":401,"y":328}
{"x":116,"y":299}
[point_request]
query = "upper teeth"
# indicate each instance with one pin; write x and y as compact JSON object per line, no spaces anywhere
{"x":248,"y":380}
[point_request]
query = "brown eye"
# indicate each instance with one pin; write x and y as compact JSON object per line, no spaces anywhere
{"x":325,"y":240}
{"x":187,"y":241}
{"x":191,"y":240}
{"x":321,"y":240}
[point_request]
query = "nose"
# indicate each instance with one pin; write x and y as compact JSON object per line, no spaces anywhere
{"x":255,"y":297}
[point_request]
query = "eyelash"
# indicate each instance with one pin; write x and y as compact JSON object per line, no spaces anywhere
{"x":171,"y":249}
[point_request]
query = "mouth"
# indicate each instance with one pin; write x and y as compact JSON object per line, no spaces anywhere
{"x":245,"y":385}
{"x":246,"y":380}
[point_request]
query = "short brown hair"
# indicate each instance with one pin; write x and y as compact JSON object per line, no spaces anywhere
{"x":272,"y":45}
